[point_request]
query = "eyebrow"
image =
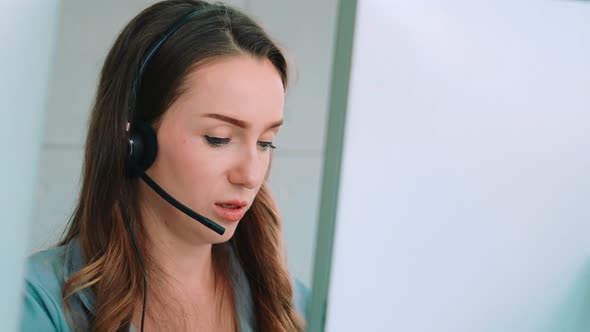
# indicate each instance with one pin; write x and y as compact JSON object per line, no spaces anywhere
{"x":239,"y":123}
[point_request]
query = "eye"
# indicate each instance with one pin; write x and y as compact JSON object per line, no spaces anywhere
{"x":266,"y":145}
{"x":216,"y":141}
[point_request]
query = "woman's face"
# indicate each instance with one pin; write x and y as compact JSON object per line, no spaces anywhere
{"x":215,"y":142}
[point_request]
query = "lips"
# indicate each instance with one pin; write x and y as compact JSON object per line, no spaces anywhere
{"x":231,"y":210}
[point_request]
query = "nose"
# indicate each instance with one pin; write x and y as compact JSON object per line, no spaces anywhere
{"x":248,"y":171}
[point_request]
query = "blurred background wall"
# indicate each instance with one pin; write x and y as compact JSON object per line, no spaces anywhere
{"x":464,"y":198}
{"x":87,"y":29}
{"x":27,"y":30}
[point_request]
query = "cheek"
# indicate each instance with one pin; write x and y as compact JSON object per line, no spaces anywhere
{"x":267,"y":169}
{"x":183,"y":166}
{"x":196,"y":162}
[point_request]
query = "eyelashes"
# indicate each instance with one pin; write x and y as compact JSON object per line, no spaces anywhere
{"x":221,"y":141}
{"x":216,"y":141}
{"x":266,"y":145}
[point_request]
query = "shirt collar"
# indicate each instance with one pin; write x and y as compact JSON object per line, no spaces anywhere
{"x":74,"y":262}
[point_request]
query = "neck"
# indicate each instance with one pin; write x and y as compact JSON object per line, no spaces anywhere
{"x":183,"y":286}
{"x":185,"y":263}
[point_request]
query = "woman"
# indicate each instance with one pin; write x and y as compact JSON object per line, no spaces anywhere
{"x":175,"y":228}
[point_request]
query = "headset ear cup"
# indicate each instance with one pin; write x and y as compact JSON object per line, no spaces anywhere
{"x":143,"y":148}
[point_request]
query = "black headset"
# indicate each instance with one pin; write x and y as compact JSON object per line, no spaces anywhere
{"x":143,"y":148}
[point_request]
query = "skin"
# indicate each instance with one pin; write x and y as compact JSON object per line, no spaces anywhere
{"x":201,"y":174}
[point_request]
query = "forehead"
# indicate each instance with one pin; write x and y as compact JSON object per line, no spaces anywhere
{"x":240,"y":86}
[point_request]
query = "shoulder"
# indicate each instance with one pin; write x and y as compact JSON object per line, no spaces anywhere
{"x":46,"y":268}
{"x":301,"y":298}
{"x":42,"y":307}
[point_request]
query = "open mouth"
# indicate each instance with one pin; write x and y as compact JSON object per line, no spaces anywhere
{"x":231,"y":210}
{"x":228,"y":206}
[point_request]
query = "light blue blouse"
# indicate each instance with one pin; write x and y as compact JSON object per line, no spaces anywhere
{"x":47,"y":271}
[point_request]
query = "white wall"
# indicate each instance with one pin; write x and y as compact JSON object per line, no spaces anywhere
{"x":84,"y":37}
{"x":464,"y":197}
{"x":27,"y":31}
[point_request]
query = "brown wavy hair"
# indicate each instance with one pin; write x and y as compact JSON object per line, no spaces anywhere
{"x":112,"y":270}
